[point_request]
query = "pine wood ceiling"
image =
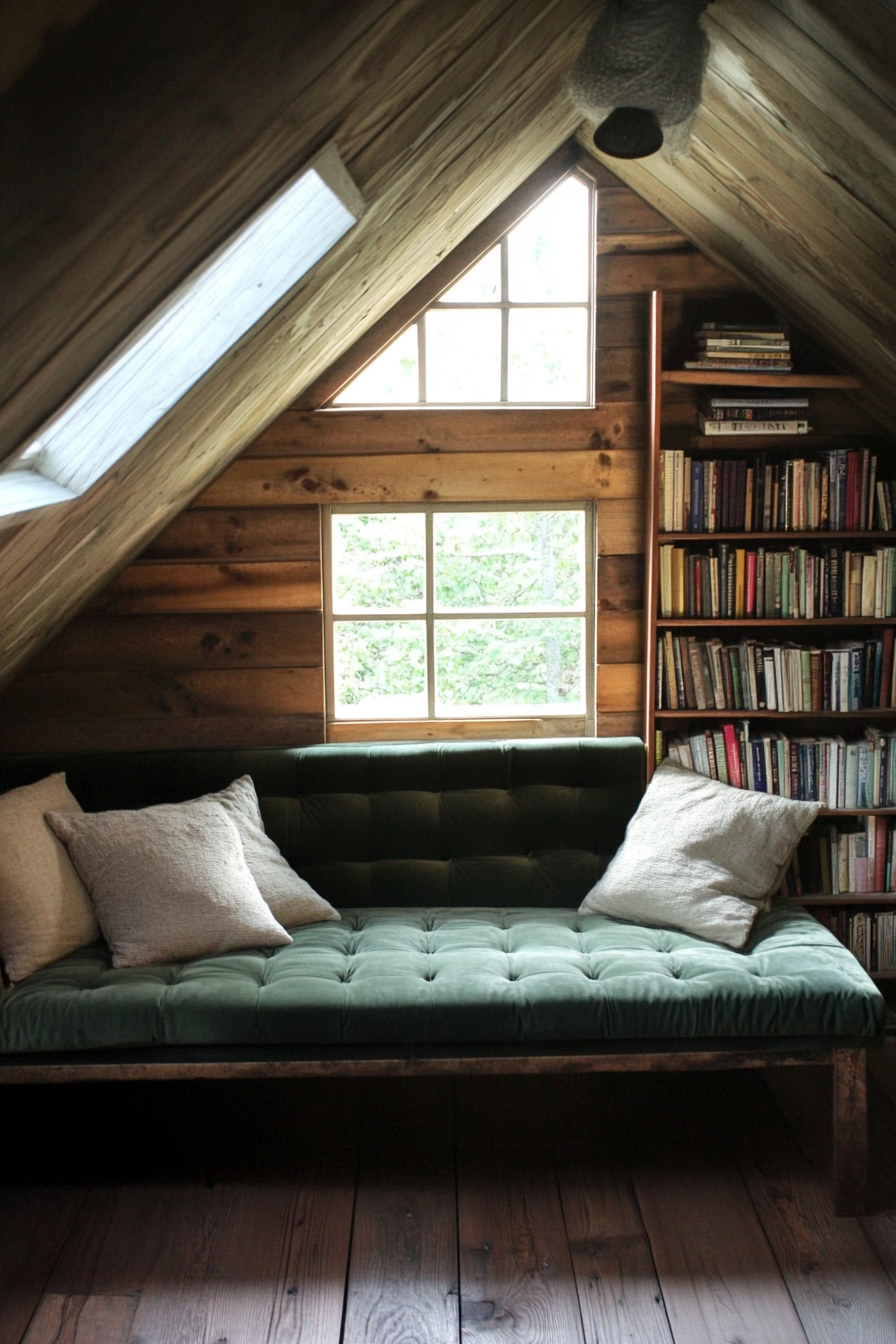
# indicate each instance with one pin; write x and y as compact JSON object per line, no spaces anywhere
{"x":151,"y":129}
{"x":790,"y":180}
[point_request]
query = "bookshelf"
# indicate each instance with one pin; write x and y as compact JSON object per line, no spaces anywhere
{"x":780,"y":667}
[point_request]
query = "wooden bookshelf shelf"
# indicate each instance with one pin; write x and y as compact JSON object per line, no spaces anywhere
{"x":843,"y":715}
{"x":759,"y":538}
{"x":782,"y":381}
{"x":810,"y":442}
{"x":858,"y":812}
{"x":760,"y":622}
{"x":849,"y":898}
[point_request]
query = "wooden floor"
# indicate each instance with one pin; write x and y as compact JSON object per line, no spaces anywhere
{"x":555,"y":1211}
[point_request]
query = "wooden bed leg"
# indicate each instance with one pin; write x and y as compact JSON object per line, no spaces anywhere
{"x":850,"y":1132}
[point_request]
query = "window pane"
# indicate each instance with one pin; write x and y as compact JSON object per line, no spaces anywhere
{"x":547,"y":354}
{"x":192,"y":330}
{"x":509,"y":559}
{"x":548,"y":250}
{"x":379,"y":562}
{"x":379,"y":669}
{"x":481,"y":284}
{"x":510,"y":666}
{"x":391,"y":377}
{"x":463,"y":355}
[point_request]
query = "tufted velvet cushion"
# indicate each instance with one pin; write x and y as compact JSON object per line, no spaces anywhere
{"x":531,"y":823}
{"x":522,"y":823}
{"x":423,"y":845}
{"x":475,"y":975}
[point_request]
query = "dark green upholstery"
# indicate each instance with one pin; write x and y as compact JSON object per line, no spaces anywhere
{"x":459,"y":870}
{"x":476,"y":975}
{"x":519,"y":823}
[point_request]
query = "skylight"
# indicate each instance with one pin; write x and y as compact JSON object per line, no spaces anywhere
{"x":185,"y":336}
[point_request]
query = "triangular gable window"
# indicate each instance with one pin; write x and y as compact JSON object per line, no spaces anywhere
{"x":186,"y":335}
{"x":515,"y":329}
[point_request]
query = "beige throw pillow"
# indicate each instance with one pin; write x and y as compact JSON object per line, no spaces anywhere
{"x":292,"y":900}
{"x":44,"y":910}
{"x":700,"y":856}
{"x":169,"y":882}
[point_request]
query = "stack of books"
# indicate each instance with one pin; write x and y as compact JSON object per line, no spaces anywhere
{"x":753,"y":415}
{"x":746,"y":347}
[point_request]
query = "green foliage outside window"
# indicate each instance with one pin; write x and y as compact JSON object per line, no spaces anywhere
{"x":489,"y":569}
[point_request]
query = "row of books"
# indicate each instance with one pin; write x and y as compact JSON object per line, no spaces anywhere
{"x":728,"y":582}
{"x":834,"y":491}
{"x":829,"y":770}
{"x":870,"y":936}
{"x":747,"y":346}
{"x":833,"y":860}
{"x":730,"y":412}
{"x":845,"y":677}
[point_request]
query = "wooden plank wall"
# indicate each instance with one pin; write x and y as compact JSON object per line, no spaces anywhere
{"x":213,"y":637}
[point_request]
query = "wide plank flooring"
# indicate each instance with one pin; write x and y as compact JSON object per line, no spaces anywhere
{"x":682,"y":1209}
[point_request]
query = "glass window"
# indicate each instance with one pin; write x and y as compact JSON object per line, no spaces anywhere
{"x":186,"y":335}
{"x":514,"y":329}
{"x":459,"y":612}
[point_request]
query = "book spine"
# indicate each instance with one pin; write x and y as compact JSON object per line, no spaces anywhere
{"x":777,"y":427}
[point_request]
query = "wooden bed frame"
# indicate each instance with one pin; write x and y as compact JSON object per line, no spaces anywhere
{"x":850,"y":1092}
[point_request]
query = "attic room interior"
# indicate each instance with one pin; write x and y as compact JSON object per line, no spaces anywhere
{"x":441,"y":899}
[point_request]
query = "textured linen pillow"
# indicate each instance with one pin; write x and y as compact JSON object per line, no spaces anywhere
{"x":700,"y":856}
{"x":292,"y":900}
{"x":44,"y":909}
{"x":168,"y":882}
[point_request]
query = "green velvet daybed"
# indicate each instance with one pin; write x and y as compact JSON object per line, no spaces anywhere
{"x":458,"y":871}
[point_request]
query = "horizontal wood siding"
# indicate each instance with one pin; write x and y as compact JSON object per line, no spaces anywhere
{"x":214,"y":636}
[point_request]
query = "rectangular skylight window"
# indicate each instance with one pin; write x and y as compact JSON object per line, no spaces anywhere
{"x":191,"y":330}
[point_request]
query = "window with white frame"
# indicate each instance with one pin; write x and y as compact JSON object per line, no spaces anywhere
{"x":459,"y":611}
{"x":516,"y":329}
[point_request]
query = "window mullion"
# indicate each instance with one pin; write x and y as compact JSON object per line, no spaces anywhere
{"x":421,"y":358}
{"x":505,"y":314}
{"x":430,"y":621}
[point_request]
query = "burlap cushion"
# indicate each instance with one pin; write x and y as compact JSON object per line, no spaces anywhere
{"x":44,"y":910}
{"x":700,"y":856}
{"x":292,"y":900}
{"x":169,"y":882}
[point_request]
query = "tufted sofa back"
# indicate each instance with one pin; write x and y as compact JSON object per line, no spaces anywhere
{"x":519,"y":823}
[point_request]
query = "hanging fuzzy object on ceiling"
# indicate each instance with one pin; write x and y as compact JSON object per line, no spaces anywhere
{"x":640,"y":75}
